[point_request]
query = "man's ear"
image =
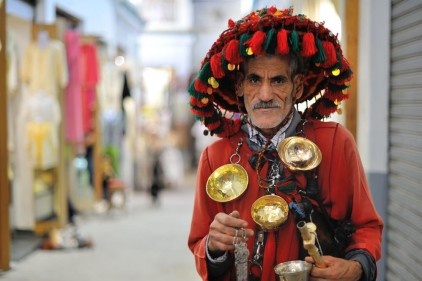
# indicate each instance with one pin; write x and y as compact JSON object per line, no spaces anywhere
{"x":298,"y":83}
{"x":239,"y":84}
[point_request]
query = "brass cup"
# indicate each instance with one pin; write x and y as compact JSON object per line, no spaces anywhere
{"x":299,"y":154}
{"x":270,"y":211}
{"x":227,"y":183}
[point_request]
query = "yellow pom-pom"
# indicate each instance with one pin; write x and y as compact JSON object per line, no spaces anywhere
{"x":231,"y":67}
{"x":336,"y":72}
{"x":209,"y":90}
{"x":204,"y":100}
{"x":336,"y":102}
{"x":249,"y":51}
{"x":213,"y":82}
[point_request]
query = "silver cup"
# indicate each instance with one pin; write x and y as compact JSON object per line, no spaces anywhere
{"x":293,"y":271}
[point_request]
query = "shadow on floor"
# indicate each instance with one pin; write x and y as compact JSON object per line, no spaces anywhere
{"x":23,"y":243}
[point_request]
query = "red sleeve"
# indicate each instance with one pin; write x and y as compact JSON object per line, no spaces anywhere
{"x":345,"y":189}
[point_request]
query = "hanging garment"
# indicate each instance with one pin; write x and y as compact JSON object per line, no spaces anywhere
{"x":89,"y":78}
{"x":110,"y":88}
{"x":12,"y":87}
{"x":73,"y":125}
{"x":125,"y":95}
{"x":41,"y":114}
{"x":42,"y":144}
{"x":45,"y":68}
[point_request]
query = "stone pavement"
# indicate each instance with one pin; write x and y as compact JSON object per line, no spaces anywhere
{"x":147,"y":242}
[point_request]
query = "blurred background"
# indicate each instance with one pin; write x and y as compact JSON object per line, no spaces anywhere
{"x":99,"y":150}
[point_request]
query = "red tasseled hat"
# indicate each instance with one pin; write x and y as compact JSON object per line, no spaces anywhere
{"x":269,"y":31}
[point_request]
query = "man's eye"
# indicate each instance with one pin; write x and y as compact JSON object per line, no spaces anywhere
{"x":253,"y":80}
{"x":279,"y":80}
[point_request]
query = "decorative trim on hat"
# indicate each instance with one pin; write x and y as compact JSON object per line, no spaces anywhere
{"x":269,"y":31}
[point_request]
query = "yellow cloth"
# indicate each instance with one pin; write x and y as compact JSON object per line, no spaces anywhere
{"x":42,"y":144}
{"x":45,"y":68}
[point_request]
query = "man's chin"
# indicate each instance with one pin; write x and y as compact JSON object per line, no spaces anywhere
{"x":265,"y":125}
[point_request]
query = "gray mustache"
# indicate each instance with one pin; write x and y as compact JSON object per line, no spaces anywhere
{"x":269,"y":104}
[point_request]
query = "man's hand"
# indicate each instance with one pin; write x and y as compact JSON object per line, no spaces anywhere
{"x":337,"y":269}
{"x":223,"y":229}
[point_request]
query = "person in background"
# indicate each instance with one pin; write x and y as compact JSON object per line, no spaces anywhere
{"x":157,"y":182}
{"x":261,"y":67}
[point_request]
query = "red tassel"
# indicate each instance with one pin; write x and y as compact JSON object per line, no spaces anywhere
{"x":213,"y":125}
{"x":308,"y":45}
{"x":269,"y":257}
{"x":199,"y":106}
{"x":282,"y":42}
{"x":216,"y":68}
{"x":231,"y":23}
{"x":330,"y":53}
{"x":232,"y":54}
{"x":334,"y":96}
{"x":195,"y":102}
{"x":200,"y":86}
{"x":200,"y":113}
{"x":271,"y":10}
{"x":230,"y":127}
{"x":256,"y":42}
{"x":324,"y":110}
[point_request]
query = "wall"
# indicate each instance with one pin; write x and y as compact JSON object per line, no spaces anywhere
{"x":104,"y":18}
{"x":210,"y":20}
{"x":373,"y":89}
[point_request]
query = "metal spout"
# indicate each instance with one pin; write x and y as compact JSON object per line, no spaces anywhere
{"x":308,"y":233}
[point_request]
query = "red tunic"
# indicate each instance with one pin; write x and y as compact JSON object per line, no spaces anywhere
{"x":343,"y":187}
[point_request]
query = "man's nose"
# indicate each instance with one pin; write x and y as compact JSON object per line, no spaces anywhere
{"x":266,"y":92}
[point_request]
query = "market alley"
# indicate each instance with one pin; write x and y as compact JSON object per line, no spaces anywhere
{"x":148,"y":242}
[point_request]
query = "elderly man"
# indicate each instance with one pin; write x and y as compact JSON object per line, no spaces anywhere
{"x":292,"y":166}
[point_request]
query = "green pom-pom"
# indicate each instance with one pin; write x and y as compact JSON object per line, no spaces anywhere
{"x":205,"y":73}
{"x":191,"y":88}
{"x":294,"y":41}
{"x":270,"y":41}
{"x":320,"y":55}
{"x":242,"y":48}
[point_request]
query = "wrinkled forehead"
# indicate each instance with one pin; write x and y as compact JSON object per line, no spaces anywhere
{"x":276,"y":64}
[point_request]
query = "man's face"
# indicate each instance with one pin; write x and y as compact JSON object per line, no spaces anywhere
{"x":269,"y":90}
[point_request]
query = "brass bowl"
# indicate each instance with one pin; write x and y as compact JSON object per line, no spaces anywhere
{"x":299,"y":154}
{"x":293,"y":270}
{"x":270,"y":211}
{"x":227,"y":183}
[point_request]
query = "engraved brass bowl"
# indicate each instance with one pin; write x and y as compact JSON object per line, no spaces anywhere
{"x":299,"y":154}
{"x":227,"y":183}
{"x":270,"y":211}
{"x":296,"y":270}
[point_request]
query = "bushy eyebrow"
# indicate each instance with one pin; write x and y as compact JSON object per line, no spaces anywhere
{"x":253,"y":75}
{"x":276,"y":77}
